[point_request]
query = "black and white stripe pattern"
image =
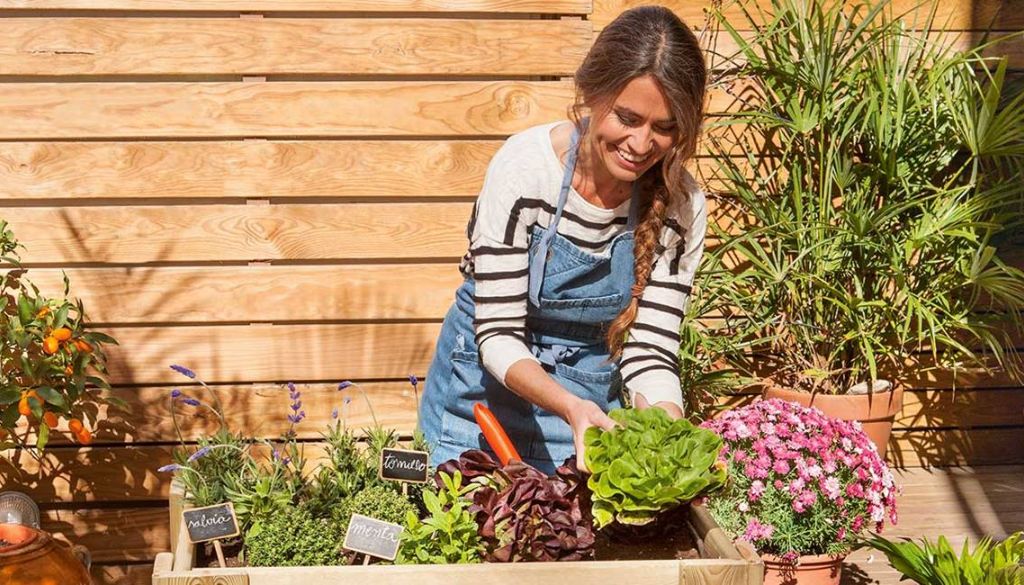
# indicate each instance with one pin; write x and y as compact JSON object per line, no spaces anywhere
{"x":521,"y":191}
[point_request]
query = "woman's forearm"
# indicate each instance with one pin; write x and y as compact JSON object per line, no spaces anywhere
{"x":528,"y":380}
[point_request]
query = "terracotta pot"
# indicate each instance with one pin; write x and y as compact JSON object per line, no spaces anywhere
{"x":32,"y":557}
{"x":808,"y":570}
{"x":874,"y":411}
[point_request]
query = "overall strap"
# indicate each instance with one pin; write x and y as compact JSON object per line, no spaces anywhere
{"x":539,"y":255}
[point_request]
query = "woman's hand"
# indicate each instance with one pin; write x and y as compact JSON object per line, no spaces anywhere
{"x":582,"y":415}
{"x":673,"y":410}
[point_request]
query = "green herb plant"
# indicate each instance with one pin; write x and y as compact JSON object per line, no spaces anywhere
{"x":648,"y":465}
{"x":868,"y":179}
{"x":295,"y":538}
{"x":936,"y":563}
{"x":449,"y":533}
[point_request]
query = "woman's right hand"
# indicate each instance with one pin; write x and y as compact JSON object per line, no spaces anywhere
{"x":582,"y":415}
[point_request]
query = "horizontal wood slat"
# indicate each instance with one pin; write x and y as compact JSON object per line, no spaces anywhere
{"x":129,"y":474}
{"x":140,"y":574}
{"x":190,"y":233}
{"x":300,"y":108}
{"x":1010,"y":45}
{"x":951,"y":14}
{"x":444,"y":6}
{"x":259,"y":410}
{"x":258,"y":293}
{"x":265,"y":353}
{"x":250,"y":169}
{"x":112,"y":535}
{"x":289,"y":46}
{"x":328,"y":352}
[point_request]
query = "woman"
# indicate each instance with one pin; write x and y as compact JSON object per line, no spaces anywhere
{"x":583,"y":246}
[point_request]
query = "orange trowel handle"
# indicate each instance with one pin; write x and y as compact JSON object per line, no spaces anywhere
{"x":495,"y":434}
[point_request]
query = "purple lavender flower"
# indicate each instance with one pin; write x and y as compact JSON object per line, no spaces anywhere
{"x":190,"y":401}
{"x":175,"y":393}
{"x":293,"y":392}
{"x":334,"y":413}
{"x":413,"y":380}
{"x":198,"y":454}
{"x":344,"y":384}
{"x":183,"y":371}
{"x":169,"y":468}
{"x":297,"y":418}
{"x":296,"y":405}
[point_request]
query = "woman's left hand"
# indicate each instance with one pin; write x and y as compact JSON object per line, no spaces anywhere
{"x":673,"y":410}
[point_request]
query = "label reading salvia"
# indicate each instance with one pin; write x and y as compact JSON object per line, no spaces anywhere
{"x":403,"y":465}
{"x":211,"y":523}
{"x":373,"y":537}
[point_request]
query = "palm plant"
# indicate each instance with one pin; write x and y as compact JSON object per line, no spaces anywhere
{"x":871,"y":180}
{"x":938,"y":564}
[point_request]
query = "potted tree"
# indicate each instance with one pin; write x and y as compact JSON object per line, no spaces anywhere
{"x":871,"y":178}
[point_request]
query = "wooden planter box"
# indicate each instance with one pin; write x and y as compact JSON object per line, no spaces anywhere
{"x":722,"y":562}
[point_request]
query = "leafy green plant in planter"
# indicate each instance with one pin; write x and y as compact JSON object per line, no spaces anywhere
{"x":524,"y":515}
{"x":937,"y":563}
{"x":295,"y":538}
{"x":53,"y":364}
{"x":379,"y":501}
{"x":449,"y":533}
{"x":648,"y":465}
{"x":873,"y":178}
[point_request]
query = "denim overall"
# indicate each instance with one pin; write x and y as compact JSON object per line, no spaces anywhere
{"x":573,"y":296}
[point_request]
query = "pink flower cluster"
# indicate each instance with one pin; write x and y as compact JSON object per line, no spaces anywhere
{"x":818,"y":464}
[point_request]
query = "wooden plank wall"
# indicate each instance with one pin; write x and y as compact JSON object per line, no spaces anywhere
{"x":275,"y":190}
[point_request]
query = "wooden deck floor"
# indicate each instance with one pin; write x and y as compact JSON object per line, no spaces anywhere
{"x":961,"y":503}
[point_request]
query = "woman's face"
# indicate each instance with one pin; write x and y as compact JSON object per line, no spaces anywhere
{"x":635,"y":131}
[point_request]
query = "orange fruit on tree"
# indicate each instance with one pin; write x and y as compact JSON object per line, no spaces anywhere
{"x":23,"y":408}
{"x":50,"y":419}
{"x":76,"y":426}
{"x":62,"y":333}
{"x":43,"y":312}
{"x":50,"y":345}
{"x":84,"y":437}
{"x":83,"y":345}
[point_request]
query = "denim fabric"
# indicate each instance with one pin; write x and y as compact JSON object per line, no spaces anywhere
{"x":574,"y":294}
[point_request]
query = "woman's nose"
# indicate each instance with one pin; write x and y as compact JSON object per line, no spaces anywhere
{"x":641,"y":141}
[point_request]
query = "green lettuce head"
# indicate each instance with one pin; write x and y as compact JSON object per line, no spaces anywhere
{"x":649,"y":464}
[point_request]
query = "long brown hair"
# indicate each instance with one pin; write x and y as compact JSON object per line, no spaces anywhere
{"x":647,"y":40}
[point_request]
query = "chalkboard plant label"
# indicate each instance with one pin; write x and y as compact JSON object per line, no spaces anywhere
{"x":211,"y":523}
{"x":404,"y":465}
{"x":373,"y":537}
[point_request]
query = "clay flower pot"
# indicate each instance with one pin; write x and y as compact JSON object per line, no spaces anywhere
{"x":808,"y":570}
{"x":875,"y":412}
{"x":30,"y":557}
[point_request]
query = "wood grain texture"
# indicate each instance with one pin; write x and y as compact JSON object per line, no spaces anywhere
{"x":112,"y":535}
{"x":266,"y":353}
{"x":285,"y":108}
{"x":258,"y":410}
{"x":290,"y":46}
{"x":169,"y":295}
{"x":128,"y":474}
{"x":189,"y":233}
{"x":139,"y":574}
{"x":243,"y":169}
{"x":510,"y":6}
{"x":951,"y":14}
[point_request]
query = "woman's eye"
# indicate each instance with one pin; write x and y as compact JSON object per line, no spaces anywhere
{"x":625,"y":120}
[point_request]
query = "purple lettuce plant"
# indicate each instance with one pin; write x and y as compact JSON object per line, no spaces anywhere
{"x":525,"y":515}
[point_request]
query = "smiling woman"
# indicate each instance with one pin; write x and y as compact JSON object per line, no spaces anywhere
{"x":583,"y":246}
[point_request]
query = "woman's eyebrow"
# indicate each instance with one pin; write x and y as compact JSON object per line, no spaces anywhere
{"x":626,"y":111}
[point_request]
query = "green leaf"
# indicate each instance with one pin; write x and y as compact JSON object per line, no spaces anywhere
{"x":62,"y":317}
{"x":25,"y":312}
{"x":43,"y":437}
{"x":52,"y":396}
{"x":9,"y":396}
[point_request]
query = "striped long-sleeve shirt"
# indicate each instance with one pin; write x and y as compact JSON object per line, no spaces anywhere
{"x":520,"y":191}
